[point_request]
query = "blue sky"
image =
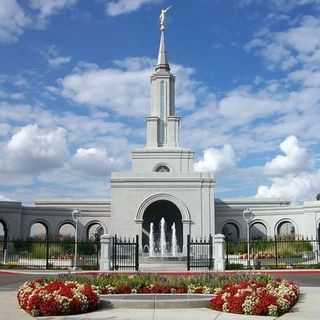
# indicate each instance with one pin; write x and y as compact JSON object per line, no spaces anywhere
{"x":74,"y":90}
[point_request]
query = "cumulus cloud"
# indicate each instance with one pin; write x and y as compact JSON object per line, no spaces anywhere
{"x":93,"y":161}
{"x":33,"y":149}
{"x":293,"y":177}
{"x":95,"y":87}
{"x":117,"y":7}
{"x":299,"y":187}
{"x":12,"y":20}
{"x":294,"y":160}
{"x":216,"y":160}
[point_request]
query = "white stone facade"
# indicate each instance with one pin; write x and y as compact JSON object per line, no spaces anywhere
{"x":162,"y":173}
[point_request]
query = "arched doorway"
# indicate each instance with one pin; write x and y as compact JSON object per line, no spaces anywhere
{"x":154,"y":213}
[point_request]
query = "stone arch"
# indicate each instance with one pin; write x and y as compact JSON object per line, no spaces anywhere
{"x":261,"y":222}
{"x":186,"y":217}
{"x":236,"y":225}
{"x":92,"y":223}
{"x":282,"y":221}
{"x":4,"y":230}
{"x":62,"y":223}
{"x":43,"y":222}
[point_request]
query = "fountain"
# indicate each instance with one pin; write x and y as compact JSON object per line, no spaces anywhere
{"x":162,"y":237}
{"x":173,"y":240}
{"x":151,"y":241}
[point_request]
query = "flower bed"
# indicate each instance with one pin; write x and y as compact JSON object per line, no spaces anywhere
{"x":273,"y":298}
{"x":50,"y":298}
{"x":235,"y":293}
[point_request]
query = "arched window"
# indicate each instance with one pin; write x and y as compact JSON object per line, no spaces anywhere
{"x":95,"y":231}
{"x":231,"y":232}
{"x":38,"y":231}
{"x":258,"y":231}
{"x":286,"y":230}
{"x":162,"y":168}
{"x":67,"y":231}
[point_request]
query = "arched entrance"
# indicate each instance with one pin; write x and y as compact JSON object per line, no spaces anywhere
{"x":154,"y":213}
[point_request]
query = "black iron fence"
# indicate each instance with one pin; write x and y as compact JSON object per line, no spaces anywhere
{"x":125,"y":253}
{"x":276,"y":253}
{"x":45,"y":254}
{"x":199,"y":253}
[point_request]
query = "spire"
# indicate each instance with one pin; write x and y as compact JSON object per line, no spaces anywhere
{"x":163,"y":63}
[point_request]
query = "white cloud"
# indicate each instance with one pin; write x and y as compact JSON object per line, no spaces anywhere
{"x":216,"y":160}
{"x":281,"y":4}
{"x":47,"y":8}
{"x":93,"y":161}
{"x":95,"y":87}
{"x":54,"y":58}
{"x":299,"y":187}
{"x":117,"y":7}
{"x":295,"y":160}
{"x":12,"y":20}
{"x":33,"y":149}
{"x":298,"y":44}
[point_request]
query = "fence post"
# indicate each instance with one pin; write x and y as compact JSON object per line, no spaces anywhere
{"x":276,"y":250}
{"x":210,"y":251}
{"x":47,"y":252}
{"x":137,"y":253}
{"x":105,"y":252}
{"x":188,"y":252}
{"x":219,"y":263}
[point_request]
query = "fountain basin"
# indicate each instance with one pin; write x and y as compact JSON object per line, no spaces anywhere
{"x":156,"y":301}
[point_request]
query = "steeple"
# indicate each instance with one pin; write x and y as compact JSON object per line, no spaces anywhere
{"x":162,"y":56}
{"x":163,"y":125}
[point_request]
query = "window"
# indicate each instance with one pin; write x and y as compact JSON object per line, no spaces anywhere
{"x":162,"y":168}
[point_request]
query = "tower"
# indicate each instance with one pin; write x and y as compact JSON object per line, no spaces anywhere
{"x":162,"y":181}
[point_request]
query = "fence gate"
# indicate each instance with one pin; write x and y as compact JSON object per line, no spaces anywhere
{"x":199,"y":253}
{"x":125,"y":253}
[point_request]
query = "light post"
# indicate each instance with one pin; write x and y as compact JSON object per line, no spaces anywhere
{"x":248,"y":216}
{"x":76,"y":213}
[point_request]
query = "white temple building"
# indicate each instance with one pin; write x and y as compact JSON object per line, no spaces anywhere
{"x":162,"y":183}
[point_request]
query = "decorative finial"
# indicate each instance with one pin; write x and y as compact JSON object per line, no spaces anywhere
{"x":163,"y":18}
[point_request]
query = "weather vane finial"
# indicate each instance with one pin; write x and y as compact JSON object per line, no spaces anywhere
{"x":163,"y":18}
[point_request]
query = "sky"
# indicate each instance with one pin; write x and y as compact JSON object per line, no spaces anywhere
{"x":74,"y":91}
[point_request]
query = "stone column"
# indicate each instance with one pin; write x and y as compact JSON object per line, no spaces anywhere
{"x":186,"y":231}
{"x":105,"y":252}
{"x":152,"y":131}
{"x":219,"y":256}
